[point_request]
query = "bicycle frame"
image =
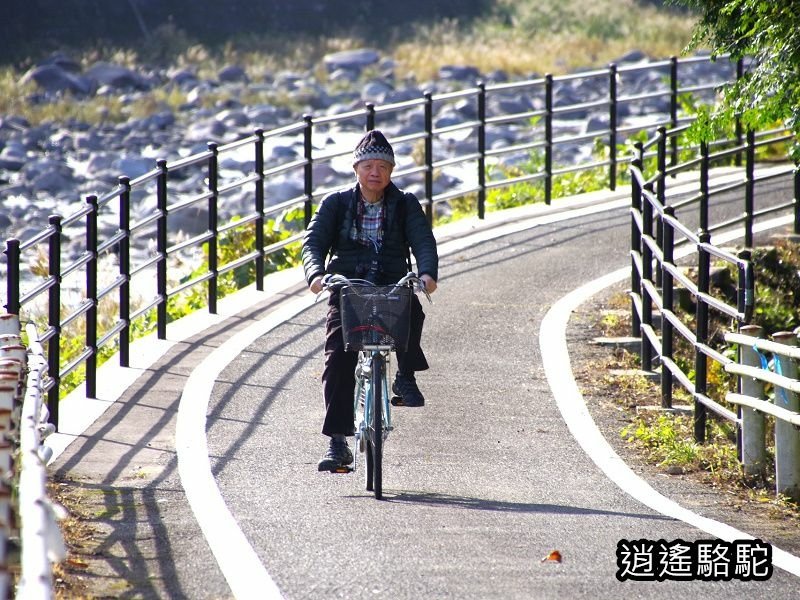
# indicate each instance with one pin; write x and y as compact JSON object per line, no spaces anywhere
{"x":372,"y":405}
{"x":369,"y":438}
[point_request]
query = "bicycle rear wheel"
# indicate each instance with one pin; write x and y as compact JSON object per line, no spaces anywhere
{"x":375,"y":430}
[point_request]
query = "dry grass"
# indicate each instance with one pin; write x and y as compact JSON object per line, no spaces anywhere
{"x":664,"y":440}
{"x":523,"y":38}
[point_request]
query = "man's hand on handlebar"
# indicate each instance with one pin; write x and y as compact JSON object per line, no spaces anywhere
{"x":316,"y":285}
{"x":429,"y":283}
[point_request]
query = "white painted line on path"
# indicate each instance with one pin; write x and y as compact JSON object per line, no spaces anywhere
{"x":555,"y":359}
{"x":237,"y":559}
{"x":235,"y":555}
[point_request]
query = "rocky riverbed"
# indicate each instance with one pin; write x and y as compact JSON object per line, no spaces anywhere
{"x":51,"y":167}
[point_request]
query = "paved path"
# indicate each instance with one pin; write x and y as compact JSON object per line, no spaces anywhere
{"x":479,"y":485}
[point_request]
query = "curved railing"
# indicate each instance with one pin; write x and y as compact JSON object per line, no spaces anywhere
{"x":110,"y":270}
{"x":672,"y":226}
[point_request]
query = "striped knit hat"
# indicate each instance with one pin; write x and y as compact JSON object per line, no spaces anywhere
{"x":373,"y":146}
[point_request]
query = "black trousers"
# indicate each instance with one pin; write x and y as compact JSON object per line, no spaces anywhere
{"x":338,"y":377}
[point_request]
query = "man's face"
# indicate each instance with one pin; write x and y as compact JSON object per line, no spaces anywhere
{"x":373,"y":176}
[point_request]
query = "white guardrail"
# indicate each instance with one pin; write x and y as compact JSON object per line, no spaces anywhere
{"x":26,"y":513}
{"x":763,"y":363}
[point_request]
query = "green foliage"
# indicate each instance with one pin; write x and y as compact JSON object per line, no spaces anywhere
{"x":777,"y":287}
{"x":767,"y":31}
{"x":232,"y":245}
{"x":530,"y":192}
{"x":667,"y":439}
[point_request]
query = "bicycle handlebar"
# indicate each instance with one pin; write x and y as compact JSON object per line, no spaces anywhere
{"x":336,"y":281}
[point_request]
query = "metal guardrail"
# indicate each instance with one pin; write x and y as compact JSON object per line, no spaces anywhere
{"x":42,"y":544}
{"x":657,"y":233}
{"x":69,"y":302}
{"x":762,"y":364}
{"x":27,"y":517}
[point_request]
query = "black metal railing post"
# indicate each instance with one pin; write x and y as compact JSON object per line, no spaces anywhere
{"x":91,"y":297}
{"x":667,"y":302}
{"x":647,"y":276}
{"x":612,"y":126}
{"x":701,"y":337}
{"x":548,"y":138}
{"x":54,"y":318}
{"x":370,"y":125}
{"x":636,"y":236}
{"x":745,"y":288}
{"x":738,"y":129}
{"x":308,"y":169}
{"x":673,"y":107}
{"x":704,"y":168}
{"x":12,"y":253}
{"x":661,"y":188}
{"x":125,"y":271}
{"x":481,"y":150}
{"x":213,"y":205}
{"x":259,"y":207}
{"x":796,"y":228}
{"x":161,"y":249}
{"x":429,"y":156}
{"x":749,"y":188}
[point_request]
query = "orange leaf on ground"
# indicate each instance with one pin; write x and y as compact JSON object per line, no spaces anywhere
{"x":554,"y":556}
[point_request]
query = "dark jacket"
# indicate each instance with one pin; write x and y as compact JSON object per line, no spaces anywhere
{"x":406,"y":227}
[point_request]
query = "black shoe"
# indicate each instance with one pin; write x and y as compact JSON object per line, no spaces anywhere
{"x":337,"y":457}
{"x":407,"y":392}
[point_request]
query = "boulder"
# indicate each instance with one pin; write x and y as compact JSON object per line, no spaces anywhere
{"x":54,"y":79}
{"x":56,"y":183}
{"x":117,"y":77}
{"x":132,"y":166}
{"x":459,"y":73}
{"x":354,"y":60}
{"x":233,"y":74}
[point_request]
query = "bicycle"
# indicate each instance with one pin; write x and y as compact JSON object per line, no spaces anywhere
{"x":375,"y":321}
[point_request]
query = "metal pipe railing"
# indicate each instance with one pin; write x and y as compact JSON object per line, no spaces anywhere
{"x":542,"y":139}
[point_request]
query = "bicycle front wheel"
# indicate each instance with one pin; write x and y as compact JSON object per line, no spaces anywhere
{"x":375,"y":427}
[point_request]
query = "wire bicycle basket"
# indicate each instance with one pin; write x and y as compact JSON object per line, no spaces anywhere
{"x":375,"y":315}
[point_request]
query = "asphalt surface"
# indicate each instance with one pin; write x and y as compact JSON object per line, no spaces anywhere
{"x":479,"y":485}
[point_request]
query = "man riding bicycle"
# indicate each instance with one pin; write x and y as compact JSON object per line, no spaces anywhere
{"x":368,"y":231}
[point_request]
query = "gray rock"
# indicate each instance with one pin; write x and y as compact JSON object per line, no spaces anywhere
{"x":62,"y":61}
{"x":117,"y":77}
{"x":376,"y":91}
{"x":99,"y":162}
{"x":233,"y":118}
{"x":634,"y":56}
{"x":54,"y":182}
{"x":282,"y":188}
{"x":132,"y":166}
{"x":91,"y":141}
{"x":10,"y":162}
{"x":182,"y":77}
{"x":459,"y":73}
{"x":281,"y":153}
{"x":53,"y":78}
{"x":13,"y":123}
{"x":210,"y":130}
{"x":264,"y":115}
{"x":355,"y":60}
{"x":190,"y":220}
{"x":343,"y":76}
{"x":233,"y":73}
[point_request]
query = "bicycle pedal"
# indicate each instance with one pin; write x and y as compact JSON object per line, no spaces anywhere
{"x":396,"y":401}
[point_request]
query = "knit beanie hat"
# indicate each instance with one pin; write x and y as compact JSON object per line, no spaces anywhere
{"x":373,"y":146}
